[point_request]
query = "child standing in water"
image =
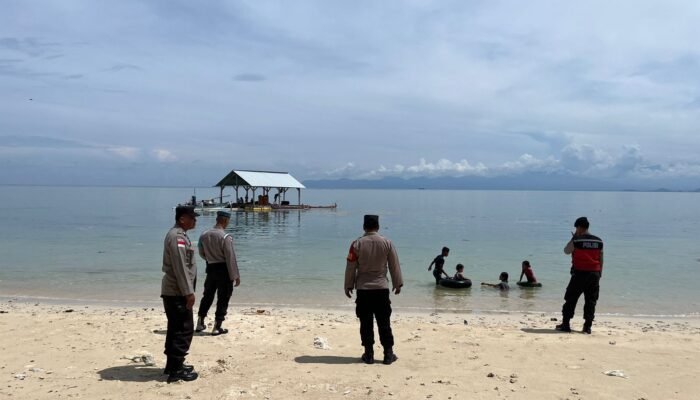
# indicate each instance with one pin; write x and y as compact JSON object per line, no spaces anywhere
{"x":439,"y":263}
{"x":527,"y":271}
{"x":503,"y":285}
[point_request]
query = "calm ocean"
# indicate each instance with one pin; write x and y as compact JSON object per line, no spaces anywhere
{"x":105,"y":245}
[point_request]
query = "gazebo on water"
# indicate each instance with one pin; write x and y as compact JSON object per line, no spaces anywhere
{"x":264,"y":181}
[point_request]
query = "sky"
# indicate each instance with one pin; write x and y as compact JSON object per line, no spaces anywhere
{"x":180,"y":92}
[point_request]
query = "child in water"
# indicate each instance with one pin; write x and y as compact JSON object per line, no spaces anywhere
{"x":439,"y":263}
{"x":459,"y":276}
{"x":527,"y":271}
{"x":503,"y":285}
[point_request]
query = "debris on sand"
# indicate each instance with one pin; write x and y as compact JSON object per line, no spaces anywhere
{"x":616,"y":372}
{"x":321,"y":343}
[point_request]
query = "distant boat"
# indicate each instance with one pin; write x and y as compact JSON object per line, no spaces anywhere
{"x":210,"y":205}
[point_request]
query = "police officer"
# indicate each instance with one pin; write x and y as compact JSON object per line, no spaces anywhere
{"x":216,"y":248}
{"x":586,"y":269}
{"x":177,"y":291}
{"x":366,"y":270}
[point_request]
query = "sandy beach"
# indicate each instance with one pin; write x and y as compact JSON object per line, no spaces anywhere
{"x":54,"y":351}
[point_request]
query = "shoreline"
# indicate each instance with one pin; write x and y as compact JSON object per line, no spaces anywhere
{"x":134,"y":304}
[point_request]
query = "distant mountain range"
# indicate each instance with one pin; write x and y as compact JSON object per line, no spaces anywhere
{"x":515,"y":182}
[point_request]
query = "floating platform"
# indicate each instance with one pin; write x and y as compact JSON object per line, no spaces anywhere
{"x":301,"y":206}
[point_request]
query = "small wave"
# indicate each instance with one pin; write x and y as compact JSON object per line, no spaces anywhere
{"x":325,"y":306}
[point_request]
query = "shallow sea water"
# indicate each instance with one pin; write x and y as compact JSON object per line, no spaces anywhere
{"x":104,"y":244}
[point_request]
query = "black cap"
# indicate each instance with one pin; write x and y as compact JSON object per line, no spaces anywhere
{"x":185,"y":210}
{"x":223,"y":214}
{"x":581,"y":222}
{"x":371,"y":221}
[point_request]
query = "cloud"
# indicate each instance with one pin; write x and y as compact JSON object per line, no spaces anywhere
{"x":442,"y":167}
{"x":554,"y":140}
{"x":248,"y":77}
{"x":575,"y":160}
{"x":125,"y":152}
{"x":343,"y":171}
{"x":30,"y":46}
{"x":39,"y":143}
{"x":583,"y":158}
{"x":529,"y":163}
{"x":34,"y":141}
{"x":461,"y":85}
{"x":18,"y":71}
{"x":123,"y":67}
{"x":164,"y":155}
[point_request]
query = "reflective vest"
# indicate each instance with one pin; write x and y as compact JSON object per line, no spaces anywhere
{"x":586,"y":255}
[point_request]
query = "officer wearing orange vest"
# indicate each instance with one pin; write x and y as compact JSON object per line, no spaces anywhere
{"x":586,"y":269}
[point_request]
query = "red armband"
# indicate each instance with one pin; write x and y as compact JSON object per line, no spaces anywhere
{"x":352,"y":256}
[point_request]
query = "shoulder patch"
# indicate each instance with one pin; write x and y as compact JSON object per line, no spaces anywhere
{"x":352,"y":255}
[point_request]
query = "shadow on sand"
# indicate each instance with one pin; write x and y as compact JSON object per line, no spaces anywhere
{"x":327,"y":360}
{"x":133,"y":373}
{"x":165,"y":332}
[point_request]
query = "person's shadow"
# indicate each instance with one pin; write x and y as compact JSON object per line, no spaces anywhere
{"x":327,"y":360}
{"x":165,"y":332}
{"x":133,"y":373}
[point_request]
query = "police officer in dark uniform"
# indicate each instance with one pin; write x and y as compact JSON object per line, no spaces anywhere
{"x":177,"y":291}
{"x":369,"y":259}
{"x":216,"y":247}
{"x":586,"y":269}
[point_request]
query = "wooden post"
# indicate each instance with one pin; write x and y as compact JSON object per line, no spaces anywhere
{"x":299,"y":195}
{"x":221,"y":194}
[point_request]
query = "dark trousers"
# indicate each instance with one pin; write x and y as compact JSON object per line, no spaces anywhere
{"x":438,"y":275}
{"x":217,"y":283}
{"x":586,"y":283}
{"x":373,"y":304}
{"x":180,"y":328}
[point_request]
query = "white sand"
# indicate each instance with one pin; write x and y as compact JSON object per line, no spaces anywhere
{"x":49,"y":354}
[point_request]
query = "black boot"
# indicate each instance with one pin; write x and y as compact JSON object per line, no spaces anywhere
{"x":180,"y":372}
{"x":587,"y":327}
{"x":389,"y":356}
{"x":368,"y":356}
{"x":169,"y":366}
{"x":564,"y":326}
{"x":200,"y":325}
{"x":182,"y":375}
{"x":218,"y":330}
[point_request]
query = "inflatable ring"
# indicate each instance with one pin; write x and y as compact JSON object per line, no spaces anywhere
{"x":455,"y":284}
{"x":529,"y":284}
